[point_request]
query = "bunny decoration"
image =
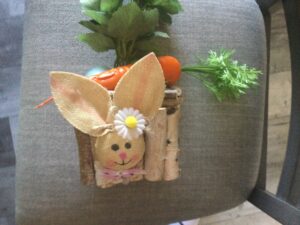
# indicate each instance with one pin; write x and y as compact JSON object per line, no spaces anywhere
{"x":118,"y":123}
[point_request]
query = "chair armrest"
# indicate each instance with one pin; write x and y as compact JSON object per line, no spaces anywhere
{"x":265,"y":4}
{"x":285,"y":205}
{"x":289,"y":185}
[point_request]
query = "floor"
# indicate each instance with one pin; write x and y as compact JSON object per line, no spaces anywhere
{"x":11,"y":16}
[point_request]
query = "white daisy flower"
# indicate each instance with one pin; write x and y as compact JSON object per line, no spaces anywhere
{"x":129,"y":123}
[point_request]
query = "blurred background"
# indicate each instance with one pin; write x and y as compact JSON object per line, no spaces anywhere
{"x":11,"y":29}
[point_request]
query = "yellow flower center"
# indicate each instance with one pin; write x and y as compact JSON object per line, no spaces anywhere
{"x":131,"y":122}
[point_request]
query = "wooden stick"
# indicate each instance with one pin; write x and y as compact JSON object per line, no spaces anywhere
{"x":87,"y":173}
{"x":171,"y":162}
{"x":155,"y":142}
{"x":173,"y":97}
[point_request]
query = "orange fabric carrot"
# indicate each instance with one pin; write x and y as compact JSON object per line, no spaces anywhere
{"x":170,"y":65}
{"x":109,"y":79}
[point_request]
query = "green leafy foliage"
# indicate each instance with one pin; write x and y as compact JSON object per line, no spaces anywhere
{"x":99,"y":17}
{"x":166,"y":8}
{"x":101,"y":5}
{"x":90,"y":4}
{"x":150,"y":21}
{"x":126,"y":23}
{"x":129,"y":29}
{"x":110,"y":5}
{"x":93,"y":26}
{"x":169,"y":6}
{"x":158,"y":42}
{"x":97,"y":41}
{"x":223,"y":76}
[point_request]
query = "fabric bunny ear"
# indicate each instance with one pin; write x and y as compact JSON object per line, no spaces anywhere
{"x":142,"y":87}
{"x":82,"y":102}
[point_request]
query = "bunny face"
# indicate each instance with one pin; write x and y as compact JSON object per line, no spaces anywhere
{"x":88,"y":107}
{"x":115,"y":153}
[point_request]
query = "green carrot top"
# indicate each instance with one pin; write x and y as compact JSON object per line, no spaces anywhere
{"x":223,"y":76}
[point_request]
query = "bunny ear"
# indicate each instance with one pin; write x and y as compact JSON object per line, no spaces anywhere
{"x":142,"y":87}
{"x":82,"y":102}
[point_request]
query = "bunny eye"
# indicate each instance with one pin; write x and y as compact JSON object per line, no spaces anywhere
{"x":127,"y":145}
{"x":115,"y":147}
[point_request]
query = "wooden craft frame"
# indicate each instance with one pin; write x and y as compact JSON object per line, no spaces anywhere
{"x":161,"y":139}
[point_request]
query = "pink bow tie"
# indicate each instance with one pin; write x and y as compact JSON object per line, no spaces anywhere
{"x":115,"y":175}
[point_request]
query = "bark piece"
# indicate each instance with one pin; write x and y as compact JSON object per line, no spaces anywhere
{"x":171,"y":163}
{"x":87,"y":173}
{"x":155,"y":138}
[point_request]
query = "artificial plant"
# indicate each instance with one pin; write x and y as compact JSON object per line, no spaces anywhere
{"x":131,"y":28}
{"x":134,"y":28}
{"x":226,"y":78}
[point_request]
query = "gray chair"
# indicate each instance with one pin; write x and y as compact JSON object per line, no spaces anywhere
{"x":223,"y":145}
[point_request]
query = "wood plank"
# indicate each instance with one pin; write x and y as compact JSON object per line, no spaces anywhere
{"x":258,"y":218}
{"x":280,"y":95}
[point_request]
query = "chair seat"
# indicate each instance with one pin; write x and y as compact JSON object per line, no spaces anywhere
{"x":220,"y":142}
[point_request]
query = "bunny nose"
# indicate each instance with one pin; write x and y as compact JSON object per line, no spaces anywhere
{"x":123,"y":155}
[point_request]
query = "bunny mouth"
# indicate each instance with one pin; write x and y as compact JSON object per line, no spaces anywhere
{"x":123,"y":163}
